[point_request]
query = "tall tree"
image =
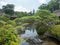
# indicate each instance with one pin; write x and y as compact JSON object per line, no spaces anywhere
{"x":52,"y":5}
{"x":8,"y":9}
{"x":43,"y":6}
{"x":47,"y":20}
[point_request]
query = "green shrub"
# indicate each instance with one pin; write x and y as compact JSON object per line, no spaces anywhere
{"x":8,"y":36}
{"x":55,"y":31}
{"x":41,"y":30}
{"x":11,"y":23}
{"x":20,"y":29}
{"x":47,"y":20}
{"x":2,"y":23}
{"x":5,"y":17}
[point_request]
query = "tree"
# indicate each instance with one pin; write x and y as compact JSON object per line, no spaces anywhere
{"x":52,"y":5}
{"x":21,"y":14}
{"x":43,"y":6}
{"x":47,"y":20}
{"x":8,"y":9}
{"x":41,"y":21}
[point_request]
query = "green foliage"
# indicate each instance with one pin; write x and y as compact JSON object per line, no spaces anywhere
{"x":28,"y":19}
{"x":55,"y":31}
{"x":42,"y":21}
{"x":24,"y":22}
{"x":21,"y":14}
{"x":52,"y":5}
{"x":8,"y":9}
{"x":11,"y":23}
{"x":8,"y":34}
{"x":20,"y":29}
{"x":46,"y":16}
{"x":5,"y":17}
{"x":47,"y":19}
{"x":2,"y":23}
{"x":43,"y":6}
{"x":41,"y":30}
{"x":43,"y":13}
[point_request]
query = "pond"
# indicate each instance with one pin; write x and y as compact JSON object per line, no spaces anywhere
{"x":30,"y":37}
{"x":49,"y":43}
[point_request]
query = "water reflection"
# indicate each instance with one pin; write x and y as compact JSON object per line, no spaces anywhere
{"x":23,"y":42}
{"x":30,"y":36}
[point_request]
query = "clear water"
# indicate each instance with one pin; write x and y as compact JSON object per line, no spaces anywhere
{"x":29,"y":34}
{"x":32,"y":34}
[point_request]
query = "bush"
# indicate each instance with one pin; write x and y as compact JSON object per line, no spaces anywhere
{"x":47,"y":20}
{"x":8,"y":36}
{"x":55,"y":31}
{"x":2,"y":23}
{"x":5,"y":17}
{"x":11,"y":23}
{"x":28,"y":20}
{"x":41,"y":30}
